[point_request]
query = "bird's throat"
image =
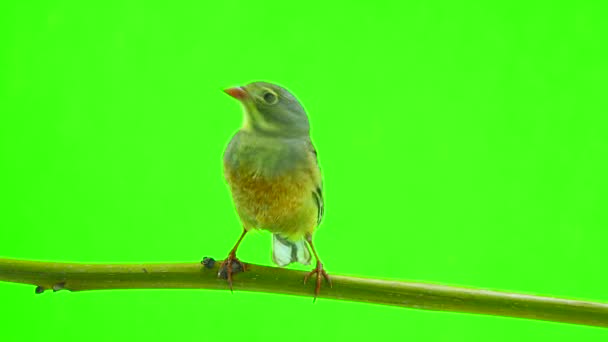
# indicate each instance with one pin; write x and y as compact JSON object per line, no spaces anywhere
{"x":254,"y":122}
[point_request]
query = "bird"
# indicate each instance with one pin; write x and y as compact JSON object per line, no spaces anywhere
{"x":272,"y":170}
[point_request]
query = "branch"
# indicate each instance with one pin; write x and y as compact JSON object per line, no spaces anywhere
{"x":80,"y":277}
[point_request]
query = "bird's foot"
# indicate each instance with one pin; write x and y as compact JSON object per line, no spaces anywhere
{"x":320,"y":272}
{"x":229,"y":267}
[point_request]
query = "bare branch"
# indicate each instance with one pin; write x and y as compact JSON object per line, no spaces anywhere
{"x":80,"y":277}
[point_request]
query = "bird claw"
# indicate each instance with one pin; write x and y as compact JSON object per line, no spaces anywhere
{"x":229,"y":267}
{"x":320,"y":272}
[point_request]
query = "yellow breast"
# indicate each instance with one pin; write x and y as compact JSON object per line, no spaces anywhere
{"x":281,"y":204}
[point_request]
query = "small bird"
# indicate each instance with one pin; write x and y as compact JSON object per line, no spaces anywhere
{"x":274,"y":177}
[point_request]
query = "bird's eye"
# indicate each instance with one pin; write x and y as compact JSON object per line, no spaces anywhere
{"x":270,"y":97}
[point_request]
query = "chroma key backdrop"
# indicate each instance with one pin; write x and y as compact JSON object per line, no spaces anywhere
{"x":461,"y":143}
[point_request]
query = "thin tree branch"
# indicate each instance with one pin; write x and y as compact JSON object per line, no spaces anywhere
{"x":80,"y":277}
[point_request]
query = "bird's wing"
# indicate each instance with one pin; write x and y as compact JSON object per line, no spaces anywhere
{"x":317,"y":192}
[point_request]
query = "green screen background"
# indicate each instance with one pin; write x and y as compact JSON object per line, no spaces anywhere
{"x":460,"y":143}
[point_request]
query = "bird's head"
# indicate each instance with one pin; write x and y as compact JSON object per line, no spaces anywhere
{"x":270,"y":109}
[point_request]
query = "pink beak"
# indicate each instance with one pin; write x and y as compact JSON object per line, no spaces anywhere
{"x":237,"y":92}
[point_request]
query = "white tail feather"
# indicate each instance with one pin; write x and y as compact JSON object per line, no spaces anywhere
{"x":284,"y":252}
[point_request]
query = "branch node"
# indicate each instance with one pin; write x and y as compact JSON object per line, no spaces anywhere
{"x":208,"y":262}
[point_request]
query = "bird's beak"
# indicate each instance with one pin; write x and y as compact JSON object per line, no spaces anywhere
{"x":237,"y":92}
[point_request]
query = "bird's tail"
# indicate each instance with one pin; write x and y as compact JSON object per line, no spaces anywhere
{"x":284,"y":252}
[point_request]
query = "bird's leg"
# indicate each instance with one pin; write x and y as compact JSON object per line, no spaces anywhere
{"x":319,"y":271}
{"x":226,"y":267}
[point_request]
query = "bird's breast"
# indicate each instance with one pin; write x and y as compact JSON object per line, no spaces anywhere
{"x":272,"y":183}
{"x":277,"y":203}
